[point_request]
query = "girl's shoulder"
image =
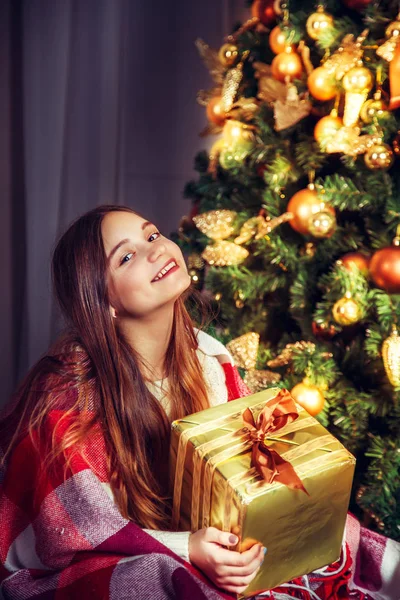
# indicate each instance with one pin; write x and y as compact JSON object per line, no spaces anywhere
{"x":210,"y":346}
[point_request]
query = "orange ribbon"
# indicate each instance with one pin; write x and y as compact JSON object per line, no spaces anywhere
{"x":277,"y":413}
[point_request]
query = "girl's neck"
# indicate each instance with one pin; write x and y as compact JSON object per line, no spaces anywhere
{"x":150,"y":338}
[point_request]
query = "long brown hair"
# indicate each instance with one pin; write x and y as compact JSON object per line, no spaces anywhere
{"x":95,"y":361}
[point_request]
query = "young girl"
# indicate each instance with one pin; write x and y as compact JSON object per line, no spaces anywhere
{"x":84,"y":500}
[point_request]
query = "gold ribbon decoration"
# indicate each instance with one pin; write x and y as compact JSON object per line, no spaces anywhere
{"x":277,"y":413}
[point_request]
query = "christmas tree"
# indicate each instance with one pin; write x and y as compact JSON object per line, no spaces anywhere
{"x":294,"y":229}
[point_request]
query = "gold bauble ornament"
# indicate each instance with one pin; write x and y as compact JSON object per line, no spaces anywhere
{"x":391,"y":357}
{"x":322,"y":84}
{"x":228,"y":55}
{"x":357,"y":82}
{"x":322,"y":224}
{"x":224,"y":254}
{"x":346,"y":311}
{"x":216,"y":224}
{"x":278,"y":40}
{"x":379,"y":156}
{"x":309,"y":397}
{"x":215,"y":111}
{"x":287,"y":65}
{"x":384,"y":268}
{"x":318,"y":22}
{"x":374,"y":108}
{"x":304,"y":205}
{"x":327,"y":128}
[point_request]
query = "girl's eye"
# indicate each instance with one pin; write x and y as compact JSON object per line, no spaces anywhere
{"x":154,"y":236}
{"x":126,"y":258}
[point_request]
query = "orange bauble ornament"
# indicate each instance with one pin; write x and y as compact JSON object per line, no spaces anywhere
{"x":322,"y":84}
{"x":385,"y":268}
{"x":287,"y":65}
{"x":355,"y":259}
{"x":309,"y":397}
{"x":264,"y":10}
{"x":215,"y":112}
{"x":303,"y":205}
{"x":327,"y":128}
{"x":278,"y":40}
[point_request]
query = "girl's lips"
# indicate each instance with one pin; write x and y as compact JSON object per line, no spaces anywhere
{"x":170,"y":270}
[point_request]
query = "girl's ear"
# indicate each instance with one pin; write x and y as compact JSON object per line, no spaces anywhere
{"x":113,"y":312}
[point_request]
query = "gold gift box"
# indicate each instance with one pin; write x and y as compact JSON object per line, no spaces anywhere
{"x":215,"y":485}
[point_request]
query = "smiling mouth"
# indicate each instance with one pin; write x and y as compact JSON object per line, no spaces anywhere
{"x":171,"y":265}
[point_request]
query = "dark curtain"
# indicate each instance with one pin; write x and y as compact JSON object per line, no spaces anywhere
{"x":97,"y":105}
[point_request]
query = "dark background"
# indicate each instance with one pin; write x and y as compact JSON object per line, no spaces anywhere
{"x":97,"y":105}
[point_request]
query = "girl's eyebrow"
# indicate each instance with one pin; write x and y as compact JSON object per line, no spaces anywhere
{"x":126,"y":240}
{"x":113,"y":251}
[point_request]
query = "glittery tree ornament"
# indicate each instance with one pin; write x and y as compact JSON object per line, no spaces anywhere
{"x":216,"y":224}
{"x":224,"y":254}
{"x":346,"y":56}
{"x":346,"y":311}
{"x":244,"y":350}
{"x":231,"y":84}
{"x":391,"y":357}
{"x":348,"y":141}
{"x":379,"y":157}
{"x":267,"y":225}
{"x":357,"y":83}
{"x":249,"y":229}
{"x":388,"y":48}
{"x":286,"y":356}
{"x":318,"y":22}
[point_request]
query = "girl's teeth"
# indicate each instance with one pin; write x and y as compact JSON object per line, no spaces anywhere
{"x":162,"y":273}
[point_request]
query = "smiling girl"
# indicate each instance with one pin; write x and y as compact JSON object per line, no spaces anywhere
{"x":84,"y":499}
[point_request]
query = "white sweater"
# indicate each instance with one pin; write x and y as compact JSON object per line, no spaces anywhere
{"x":211,"y":354}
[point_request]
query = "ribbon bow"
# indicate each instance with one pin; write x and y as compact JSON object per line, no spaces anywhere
{"x":277,"y":413}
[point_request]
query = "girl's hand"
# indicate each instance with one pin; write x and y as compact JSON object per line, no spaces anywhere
{"x":229,"y":570}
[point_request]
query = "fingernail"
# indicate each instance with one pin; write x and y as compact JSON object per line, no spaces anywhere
{"x":265,"y":551}
{"x":233,"y":539}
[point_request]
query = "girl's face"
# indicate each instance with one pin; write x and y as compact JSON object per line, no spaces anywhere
{"x":146,"y":271}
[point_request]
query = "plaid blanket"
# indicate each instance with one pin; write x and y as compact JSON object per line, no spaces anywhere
{"x":63,"y":537}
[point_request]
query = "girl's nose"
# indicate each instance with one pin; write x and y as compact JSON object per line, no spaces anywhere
{"x":157,"y":251}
